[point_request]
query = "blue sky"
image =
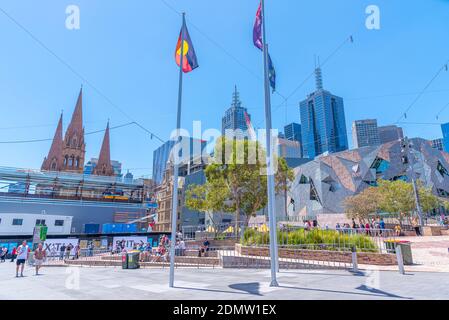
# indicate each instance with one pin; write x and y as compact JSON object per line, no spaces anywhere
{"x":125,"y":49}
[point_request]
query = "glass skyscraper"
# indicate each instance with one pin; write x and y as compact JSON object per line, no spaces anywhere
{"x":365,"y":133}
{"x":162,"y":154}
{"x":293,"y":133}
{"x":323,"y":122}
{"x":445,"y":130}
{"x":234,"y":118}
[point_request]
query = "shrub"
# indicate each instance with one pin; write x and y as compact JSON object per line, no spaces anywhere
{"x":314,"y":239}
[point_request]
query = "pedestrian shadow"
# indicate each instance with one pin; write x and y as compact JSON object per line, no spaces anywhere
{"x":252,"y":288}
{"x":211,"y":290}
{"x":372,"y":293}
{"x":381,"y":292}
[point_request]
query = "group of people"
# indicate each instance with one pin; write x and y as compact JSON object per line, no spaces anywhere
{"x":22,"y":254}
{"x":373,"y":226}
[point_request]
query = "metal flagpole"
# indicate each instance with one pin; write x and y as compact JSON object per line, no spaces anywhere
{"x":174,"y":216}
{"x":270,"y":159}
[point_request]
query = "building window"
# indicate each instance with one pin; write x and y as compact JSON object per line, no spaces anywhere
{"x":40,"y":222}
{"x":17,"y":222}
{"x":59,"y":223}
{"x":442,"y":170}
{"x":380,"y":165}
{"x":303,"y":180}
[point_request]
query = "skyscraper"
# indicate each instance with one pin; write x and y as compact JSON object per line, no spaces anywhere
{"x":234,"y":118}
{"x":365,"y":133}
{"x":390,"y":133}
{"x":293,"y":133}
{"x":162,"y":155}
{"x":445,"y":130}
{"x":323,"y":123}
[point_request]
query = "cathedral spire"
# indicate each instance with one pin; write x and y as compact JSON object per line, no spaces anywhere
{"x":104,"y":166}
{"x":54,"y":160}
{"x":76,"y":124}
{"x":74,"y":148}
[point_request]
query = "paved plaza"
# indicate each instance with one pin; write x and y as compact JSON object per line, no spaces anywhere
{"x":91,"y":283}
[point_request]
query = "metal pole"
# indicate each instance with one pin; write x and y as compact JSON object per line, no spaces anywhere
{"x":174,"y":216}
{"x":400,"y":259}
{"x":270,"y":164}
{"x":415,"y":187}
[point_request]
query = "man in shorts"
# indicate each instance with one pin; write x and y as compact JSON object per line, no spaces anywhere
{"x":39,"y":255}
{"x":22,"y":257}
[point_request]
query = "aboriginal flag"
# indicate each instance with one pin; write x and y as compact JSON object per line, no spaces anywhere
{"x":190,"y":61}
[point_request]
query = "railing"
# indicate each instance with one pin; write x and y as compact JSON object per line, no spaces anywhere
{"x":219,"y":232}
{"x":372,"y":240}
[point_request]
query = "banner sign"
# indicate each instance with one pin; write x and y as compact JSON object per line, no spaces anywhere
{"x":54,"y":245}
{"x":128,"y":242}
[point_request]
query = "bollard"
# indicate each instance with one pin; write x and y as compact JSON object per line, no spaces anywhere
{"x":355,"y":266}
{"x":400,"y":259}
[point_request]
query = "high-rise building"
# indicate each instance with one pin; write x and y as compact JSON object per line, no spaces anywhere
{"x":323,"y":123}
{"x":365,"y":133}
{"x":390,"y":133}
{"x":445,"y":130}
{"x":293,"y":133}
{"x":236,"y":118}
{"x":162,"y":155}
{"x":437,"y":144}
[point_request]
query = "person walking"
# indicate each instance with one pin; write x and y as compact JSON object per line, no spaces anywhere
{"x":13,"y":254}
{"x":416,"y":226}
{"x":61,"y":252}
{"x":39,"y":256}
{"x":3,"y":254}
{"x":22,"y":257}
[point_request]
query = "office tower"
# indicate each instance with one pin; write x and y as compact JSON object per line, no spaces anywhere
{"x":236,"y":117}
{"x":323,"y":123}
{"x":390,"y":133}
{"x":365,"y":133}
{"x":162,"y":155}
{"x":293,"y":133}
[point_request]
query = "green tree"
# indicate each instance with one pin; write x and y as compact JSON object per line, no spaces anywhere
{"x":235,"y":181}
{"x":360,"y":206}
{"x":284,"y":177}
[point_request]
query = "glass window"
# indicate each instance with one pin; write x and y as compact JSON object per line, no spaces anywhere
{"x":40,"y":222}
{"x":17,"y":222}
{"x":59,"y":223}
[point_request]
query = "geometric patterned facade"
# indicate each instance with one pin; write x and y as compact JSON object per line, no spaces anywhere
{"x":321,"y":186}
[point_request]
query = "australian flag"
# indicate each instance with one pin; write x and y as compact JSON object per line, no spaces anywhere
{"x":258,"y":42}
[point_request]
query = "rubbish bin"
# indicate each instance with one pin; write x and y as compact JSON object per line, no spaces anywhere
{"x":406,"y":249}
{"x":124,"y":261}
{"x":133,"y":259}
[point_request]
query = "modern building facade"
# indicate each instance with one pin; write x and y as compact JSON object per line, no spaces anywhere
{"x":438,"y":144}
{"x":445,"y":130}
{"x":390,"y":133}
{"x":162,"y":155}
{"x":323,"y":122}
{"x":321,"y":186}
{"x":236,"y":118}
{"x":365,"y":133}
{"x":293,"y":133}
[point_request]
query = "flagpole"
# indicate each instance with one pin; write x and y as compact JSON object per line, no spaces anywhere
{"x":270,"y":159}
{"x":176,"y":165}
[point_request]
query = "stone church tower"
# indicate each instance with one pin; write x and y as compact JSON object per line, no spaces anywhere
{"x":68,"y":155}
{"x":104,"y":166}
{"x":54,"y":161}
